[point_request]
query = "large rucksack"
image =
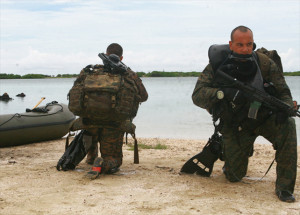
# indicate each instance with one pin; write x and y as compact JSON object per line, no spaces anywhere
{"x":273,"y":55}
{"x":104,"y":93}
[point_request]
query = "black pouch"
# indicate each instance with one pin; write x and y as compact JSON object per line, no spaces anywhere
{"x":203,"y":163}
{"x":74,"y":153}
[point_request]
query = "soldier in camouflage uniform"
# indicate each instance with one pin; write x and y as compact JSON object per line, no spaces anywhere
{"x":110,"y":136}
{"x":239,"y":132}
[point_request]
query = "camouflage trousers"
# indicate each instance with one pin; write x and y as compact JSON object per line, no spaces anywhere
{"x":111,"y":142}
{"x":238,"y":146}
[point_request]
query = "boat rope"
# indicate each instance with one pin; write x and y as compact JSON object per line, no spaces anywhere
{"x":22,"y":115}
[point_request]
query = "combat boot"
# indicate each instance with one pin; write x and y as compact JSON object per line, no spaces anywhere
{"x":96,"y":169}
{"x":285,"y":196}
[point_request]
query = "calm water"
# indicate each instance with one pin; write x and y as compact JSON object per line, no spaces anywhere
{"x":168,"y":113}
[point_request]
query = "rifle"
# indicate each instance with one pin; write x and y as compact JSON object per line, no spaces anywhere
{"x":113,"y":61}
{"x":261,"y":97}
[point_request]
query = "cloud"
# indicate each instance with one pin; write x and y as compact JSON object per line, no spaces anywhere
{"x":290,"y":60}
{"x":35,"y":61}
{"x":155,"y":35}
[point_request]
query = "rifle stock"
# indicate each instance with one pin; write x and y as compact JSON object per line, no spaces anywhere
{"x":260,"y":96}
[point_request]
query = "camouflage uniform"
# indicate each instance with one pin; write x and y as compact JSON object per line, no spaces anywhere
{"x":239,"y":135}
{"x":110,"y":136}
{"x":111,"y":142}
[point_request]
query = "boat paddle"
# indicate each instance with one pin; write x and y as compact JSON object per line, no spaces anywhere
{"x":30,"y":110}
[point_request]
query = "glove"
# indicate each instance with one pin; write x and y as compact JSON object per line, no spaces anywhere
{"x":281,"y":117}
{"x":234,"y":95}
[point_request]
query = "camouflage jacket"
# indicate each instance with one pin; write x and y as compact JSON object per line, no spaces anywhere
{"x":204,"y":94}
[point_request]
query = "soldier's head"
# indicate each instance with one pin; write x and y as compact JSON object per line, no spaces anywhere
{"x":241,"y":40}
{"x":116,"y":49}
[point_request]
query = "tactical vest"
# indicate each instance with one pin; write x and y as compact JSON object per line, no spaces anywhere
{"x":218,"y":54}
{"x":104,"y":97}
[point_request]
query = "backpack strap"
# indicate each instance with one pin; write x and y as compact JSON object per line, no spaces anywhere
{"x":136,"y":150}
{"x":129,"y":128}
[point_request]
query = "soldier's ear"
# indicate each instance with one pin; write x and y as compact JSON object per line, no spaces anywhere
{"x":121,"y":58}
{"x":254,"y":46}
{"x":230,"y":45}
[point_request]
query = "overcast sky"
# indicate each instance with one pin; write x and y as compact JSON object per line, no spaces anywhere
{"x":62,"y":36}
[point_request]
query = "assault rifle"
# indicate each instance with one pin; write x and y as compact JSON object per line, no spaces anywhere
{"x":260,"y":96}
{"x":113,"y":61}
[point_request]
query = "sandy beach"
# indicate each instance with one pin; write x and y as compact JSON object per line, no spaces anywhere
{"x":30,"y":183}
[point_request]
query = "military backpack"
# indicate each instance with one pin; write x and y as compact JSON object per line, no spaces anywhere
{"x":104,"y":94}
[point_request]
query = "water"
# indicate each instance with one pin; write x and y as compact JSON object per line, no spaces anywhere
{"x":168,"y":113}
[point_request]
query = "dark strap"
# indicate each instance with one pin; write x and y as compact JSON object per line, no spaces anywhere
{"x":126,"y":138}
{"x":136,"y":150}
{"x":135,"y":147}
{"x":267,"y":170}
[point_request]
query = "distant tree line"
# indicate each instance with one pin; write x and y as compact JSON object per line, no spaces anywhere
{"x":292,"y":73}
{"x":27,"y":76}
{"x":35,"y":76}
{"x":9,"y":76}
{"x":66,"y":76}
{"x":140,"y":74}
{"x":168,"y":74}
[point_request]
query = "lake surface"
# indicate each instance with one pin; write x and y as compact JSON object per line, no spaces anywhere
{"x":168,"y":113}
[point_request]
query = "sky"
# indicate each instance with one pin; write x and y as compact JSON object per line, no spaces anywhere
{"x":63,"y":36}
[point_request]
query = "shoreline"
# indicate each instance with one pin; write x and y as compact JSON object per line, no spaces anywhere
{"x":30,"y":183}
{"x":153,"y":74}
